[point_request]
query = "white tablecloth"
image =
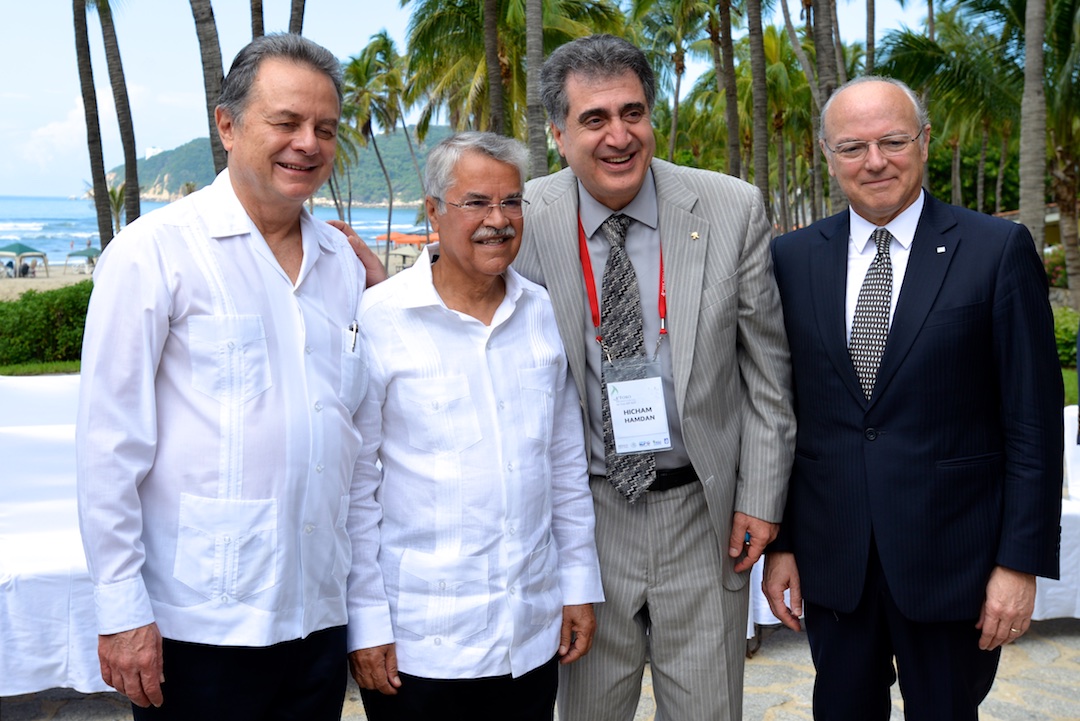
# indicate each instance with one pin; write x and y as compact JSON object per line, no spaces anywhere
{"x":48,"y":634}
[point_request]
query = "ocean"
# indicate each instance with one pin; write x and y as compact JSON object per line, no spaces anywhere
{"x":58,"y":226}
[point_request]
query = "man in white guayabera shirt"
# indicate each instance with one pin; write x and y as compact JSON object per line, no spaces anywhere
{"x":217,"y":438}
{"x":480,"y":576}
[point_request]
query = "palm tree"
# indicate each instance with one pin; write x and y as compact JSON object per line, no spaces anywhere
{"x":116,"y":204}
{"x":826,"y":80}
{"x":365,"y":105}
{"x":813,"y":162}
{"x":494,"y":68}
{"x":296,"y":17}
{"x":870,"y":37}
{"x":123,"y":108}
{"x":93,"y":126}
{"x":447,"y":62}
{"x":257,"y":29}
{"x":534,"y":107}
{"x":1033,"y":128}
{"x":719,"y":28}
{"x":761,"y":100}
{"x":210,"y":50}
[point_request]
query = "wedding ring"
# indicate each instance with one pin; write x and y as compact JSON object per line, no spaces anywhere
{"x":1014,"y":630}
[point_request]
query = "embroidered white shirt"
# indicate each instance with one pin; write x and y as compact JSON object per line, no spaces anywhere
{"x":216,"y":438}
{"x":486,"y":527}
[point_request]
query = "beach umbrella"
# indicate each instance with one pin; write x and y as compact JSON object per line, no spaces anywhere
{"x":417,"y":238}
{"x":396,"y":237}
{"x":18,"y":251}
{"x":88,"y":253}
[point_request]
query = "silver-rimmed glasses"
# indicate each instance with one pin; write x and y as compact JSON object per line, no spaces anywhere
{"x":889,"y":145}
{"x":480,"y":209}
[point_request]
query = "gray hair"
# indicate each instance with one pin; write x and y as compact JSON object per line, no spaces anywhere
{"x":921,"y":114}
{"x":595,"y":56}
{"x":444,"y":157}
{"x":236,"y":89}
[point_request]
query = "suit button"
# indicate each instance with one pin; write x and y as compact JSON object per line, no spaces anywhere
{"x":871,"y":434}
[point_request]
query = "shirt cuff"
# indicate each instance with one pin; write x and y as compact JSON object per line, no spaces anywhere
{"x":369,"y":627}
{"x":580,"y":585}
{"x":122,"y":606}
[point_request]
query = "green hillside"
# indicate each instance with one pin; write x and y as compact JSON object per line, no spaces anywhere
{"x":163,"y":175}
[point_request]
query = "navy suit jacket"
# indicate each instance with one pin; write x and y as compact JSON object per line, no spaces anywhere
{"x":955,"y":464}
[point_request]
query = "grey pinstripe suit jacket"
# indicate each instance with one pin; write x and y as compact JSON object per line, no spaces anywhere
{"x":729,"y":353}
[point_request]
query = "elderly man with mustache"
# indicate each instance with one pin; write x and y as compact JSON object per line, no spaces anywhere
{"x":474,"y":564}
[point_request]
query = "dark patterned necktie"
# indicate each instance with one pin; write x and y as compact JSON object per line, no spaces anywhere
{"x":870,"y":326}
{"x":620,"y":327}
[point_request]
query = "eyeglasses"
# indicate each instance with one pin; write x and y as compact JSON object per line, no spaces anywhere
{"x":480,"y":209}
{"x":857,"y":149}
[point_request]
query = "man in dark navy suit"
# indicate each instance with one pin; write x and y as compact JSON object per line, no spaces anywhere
{"x":926,"y":492}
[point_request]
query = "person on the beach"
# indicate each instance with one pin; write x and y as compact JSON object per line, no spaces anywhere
{"x":216,"y":435}
{"x":474,"y":565}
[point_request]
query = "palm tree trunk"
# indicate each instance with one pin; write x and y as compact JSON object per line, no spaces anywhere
{"x":679,"y":68}
{"x":760,"y":101}
{"x":980,"y":181}
{"x":416,"y":167}
{"x":123,"y":111}
{"x":1033,"y":127}
{"x":296,"y":17}
{"x":781,"y":173}
{"x":838,"y":45}
{"x":999,"y":185}
{"x":210,"y":50}
{"x":257,"y":29}
{"x":957,"y":190}
{"x":869,"y":37}
{"x":389,"y":198}
{"x":494,"y":71}
{"x":826,"y":67}
{"x":93,"y":126}
{"x":731,"y":90}
{"x":534,"y":107}
{"x":1064,"y":181}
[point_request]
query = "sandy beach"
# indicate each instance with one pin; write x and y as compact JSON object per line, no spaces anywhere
{"x":12,"y":288}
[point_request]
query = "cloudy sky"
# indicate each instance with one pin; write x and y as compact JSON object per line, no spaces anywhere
{"x":42,"y":132}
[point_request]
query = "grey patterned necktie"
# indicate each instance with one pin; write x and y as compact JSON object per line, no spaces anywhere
{"x":870,"y":326}
{"x":620,"y":327}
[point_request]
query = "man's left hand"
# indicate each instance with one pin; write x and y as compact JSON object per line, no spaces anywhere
{"x":373,"y":267}
{"x":761,"y":533}
{"x":578,"y":629}
{"x":1006,"y":612}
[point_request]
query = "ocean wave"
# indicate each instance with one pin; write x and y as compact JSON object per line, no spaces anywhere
{"x":7,"y":226}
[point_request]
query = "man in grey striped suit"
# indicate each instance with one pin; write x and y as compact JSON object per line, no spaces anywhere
{"x":672,"y":530}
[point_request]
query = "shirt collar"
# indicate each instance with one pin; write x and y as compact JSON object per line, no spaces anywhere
{"x":423,"y":293}
{"x":902,"y":226}
{"x":642,"y":208}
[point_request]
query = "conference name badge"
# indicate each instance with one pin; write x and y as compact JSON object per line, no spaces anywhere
{"x":635,"y":394}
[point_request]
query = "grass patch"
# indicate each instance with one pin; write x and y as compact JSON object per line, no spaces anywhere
{"x":53,"y":368}
{"x":1068,"y":377}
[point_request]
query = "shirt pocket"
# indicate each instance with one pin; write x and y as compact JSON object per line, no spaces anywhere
{"x":444,"y":596}
{"x":226,"y":548}
{"x":538,"y":401}
{"x":354,"y":371}
{"x":542,"y":591}
{"x":229,"y":358}
{"x":441,"y":412}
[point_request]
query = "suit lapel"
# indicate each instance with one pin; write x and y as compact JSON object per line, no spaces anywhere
{"x":685,"y":239}
{"x":555,"y":234}
{"x":932,"y":251}
{"x":828,"y":289}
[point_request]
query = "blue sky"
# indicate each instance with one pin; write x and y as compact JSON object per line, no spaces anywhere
{"x":42,"y":132}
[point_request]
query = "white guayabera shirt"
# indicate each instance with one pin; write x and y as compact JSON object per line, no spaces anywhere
{"x":487,"y":521}
{"x":216,"y":437}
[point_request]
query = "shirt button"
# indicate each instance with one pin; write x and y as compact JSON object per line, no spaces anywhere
{"x":513,"y":591}
{"x":442,"y":585}
{"x":509,"y":466}
{"x":308,"y":350}
{"x":227,"y":540}
{"x":502,"y":405}
{"x":438,"y":642}
{"x":318,"y":405}
{"x":319,"y":468}
{"x":512,"y":530}
{"x":231,"y":345}
{"x":434,"y":405}
{"x":308,"y":529}
{"x":224,"y":599}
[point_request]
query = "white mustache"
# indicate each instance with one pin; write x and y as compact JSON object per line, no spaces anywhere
{"x":486,"y":232}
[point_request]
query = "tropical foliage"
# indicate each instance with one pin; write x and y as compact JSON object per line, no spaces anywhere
{"x":1002,"y":79}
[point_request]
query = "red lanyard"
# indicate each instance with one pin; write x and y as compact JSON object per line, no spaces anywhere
{"x":590,"y":286}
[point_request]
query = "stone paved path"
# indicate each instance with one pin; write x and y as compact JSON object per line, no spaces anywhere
{"x":1039,"y":680}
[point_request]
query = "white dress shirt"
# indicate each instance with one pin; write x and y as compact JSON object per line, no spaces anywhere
{"x":486,"y":525}
{"x":861,"y":252}
{"x":216,"y":439}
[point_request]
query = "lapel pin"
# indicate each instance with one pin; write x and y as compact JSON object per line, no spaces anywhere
{"x":941,"y":249}
{"x":694,"y":235}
